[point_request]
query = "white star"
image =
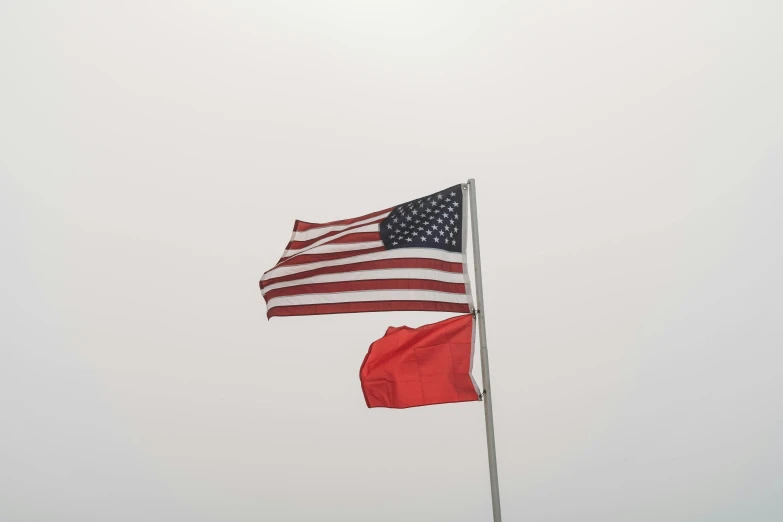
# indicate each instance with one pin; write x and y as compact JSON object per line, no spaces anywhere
{"x":440,"y":197}
{"x":423,"y":238}
{"x":434,"y":227}
{"x":415,"y":233}
{"x":395,"y":243}
{"x":443,"y":206}
{"x":440,"y":220}
{"x":416,"y":213}
{"x":408,"y":218}
{"x":446,"y":215}
{"x":434,"y":202}
{"x":389,"y":226}
{"x":397,"y":231}
{"x":419,"y":228}
{"x":456,"y":204}
{"x":456,"y":216}
{"x":448,"y":199}
{"x":452,"y":222}
{"x":429,"y":232}
{"x":446,"y":227}
{"x":453,"y":194}
{"x":395,"y":220}
{"x":455,"y":229}
{"x":450,"y":209}
{"x":451,"y":234}
{"x":454,"y":243}
{"x":441,"y":232}
{"x":437,"y":240}
{"x":408,"y":239}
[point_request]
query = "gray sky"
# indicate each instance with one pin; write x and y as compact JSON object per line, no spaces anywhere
{"x":153,"y":157}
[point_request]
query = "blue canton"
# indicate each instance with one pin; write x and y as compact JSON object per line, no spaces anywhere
{"x":434,"y":221}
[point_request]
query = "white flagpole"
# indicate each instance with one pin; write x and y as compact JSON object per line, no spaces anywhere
{"x":480,"y":314}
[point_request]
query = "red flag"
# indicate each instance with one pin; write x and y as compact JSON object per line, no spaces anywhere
{"x":420,"y":366}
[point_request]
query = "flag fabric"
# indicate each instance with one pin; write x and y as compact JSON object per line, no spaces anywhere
{"x":408,"y":257}
{"x":421,"y":366}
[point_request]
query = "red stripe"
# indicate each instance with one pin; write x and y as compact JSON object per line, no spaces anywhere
{"x":369,"y":306}
{"x":300,"y":259}
{"x":301,"y":226}
{"x":406,"y":262}
{"x":373,"y":284}
{"x":358,"y":237}
{"x":296,"y":245}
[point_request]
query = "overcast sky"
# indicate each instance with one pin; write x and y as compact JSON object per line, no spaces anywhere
{"x":629,"y":165}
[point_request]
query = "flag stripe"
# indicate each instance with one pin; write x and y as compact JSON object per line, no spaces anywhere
{"x":343,"y":244}
{"x":349,"y":238}
{"x":386,"y":306}
{"x":316,"y":233}
{"x":304,"y":226}
{"x":369,"y":295}
{"x":373,"y":284}
{"x":357,"y":237}
{"x":352,"y":238}
{"x":432,"y":264}
{"x":401,"y":253}
{"x":331,"y":236}
{"x":366,"y":275}
{"x":302,"y":259}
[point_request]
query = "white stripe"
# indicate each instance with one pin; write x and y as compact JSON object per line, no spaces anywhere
{"x":368,"y":295}
{"x":364,"y":275}
{"x":334,"y":247}
{"x":399,"y":253}
{"x":318,"y":232}
{"x":374,"y":227}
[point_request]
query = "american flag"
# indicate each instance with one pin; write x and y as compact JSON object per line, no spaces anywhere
{"x":408,"y":257}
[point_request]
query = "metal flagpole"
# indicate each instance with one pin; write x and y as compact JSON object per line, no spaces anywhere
{"x":480,"y":314}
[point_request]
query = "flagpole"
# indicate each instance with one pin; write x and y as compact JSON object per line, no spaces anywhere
{"x":480,"y":314}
